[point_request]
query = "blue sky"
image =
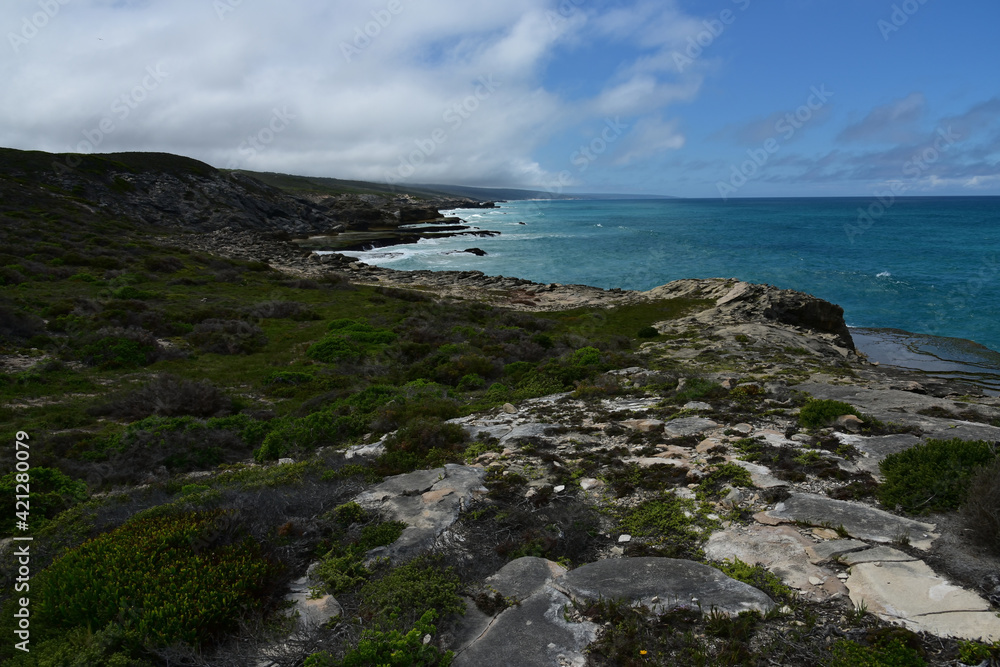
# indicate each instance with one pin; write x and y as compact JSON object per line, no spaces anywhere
{"x":730,"y":98}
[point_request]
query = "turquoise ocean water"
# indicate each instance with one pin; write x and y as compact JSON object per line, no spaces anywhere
{"x":925,"y":265}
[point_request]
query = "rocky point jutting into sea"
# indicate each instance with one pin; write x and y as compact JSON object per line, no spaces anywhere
{"x":245,"y":453}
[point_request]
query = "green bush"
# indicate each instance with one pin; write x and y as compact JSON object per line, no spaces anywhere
{"x":425,"y":442}
{"x":696,"y":389}
{"x":677,"y":527}
{"x":893,"y":653}
{"x":334,"y":349}
{"x":933,"y":476}
{"x":586,"y":356}
{"x":164,"y":573}
{"x":818,"y":413}
{"x":121,"y":348}
{"x":390,"y":649}
{"x":647,"y":332}
{"x":50,"y":492}
{"x":401,"y":597}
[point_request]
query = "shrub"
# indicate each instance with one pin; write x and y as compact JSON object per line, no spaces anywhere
{"x":647,"y":332}
{"x":406,"y":593}
{"x":818,"y":413}
{"x":586,"y":356}
{"x":162,"y":572}
{"x":334,"y":349}
{"x":16,"y":324}
{"x":696,"y":389}
{"x":130,"y":292}
{"x":932,"y":476}
{"x":391,"y":649}
{"x":677,"y":527}
{"x":292,"y":310}
{"x":178,"y":443}
{"x":757,"y":576}
{"x":50,"y":492}
{"x":893,"y":653}
{"x":169,"y":396}
{"x":424,"y":442}
{"x":227,"y":337}
{"x":115,"y":347}
{"x":982,"y":506}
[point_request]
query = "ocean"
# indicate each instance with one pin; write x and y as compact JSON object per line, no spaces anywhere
{"x":911,"y":274}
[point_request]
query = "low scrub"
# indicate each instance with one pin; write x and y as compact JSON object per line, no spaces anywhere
{"x":49,"y":493}
{"x":168,"y":577}
{"x":227,"y":337}
{"x":933,"y":476}
{"x":819,"y":413}
{"x":167,"y":395}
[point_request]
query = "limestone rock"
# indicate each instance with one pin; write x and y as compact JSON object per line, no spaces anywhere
{"x":913,"y":594}
{"x":688,"y":426}
{"x":428,"y":501}
{"x":861,"y":521}
{"x":781,"y":550}
{"x":672,"y":582}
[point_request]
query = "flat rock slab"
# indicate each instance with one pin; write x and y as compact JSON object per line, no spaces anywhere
{"x":531,"y":634}
{"x":311,"y":612}
{"x":861,"y":521}
{"x":781,"y":550}
{"x":688,"y":426}
{"x":910,"y":592}
{"x":760,"y":475}
{"x":523,"y":431}
{"x":672,"y":582}
{"x":825,"y":551}
{"x":428,"y":501}
{"x":523,"y":577}
{"x":877,"y":448}
{"x":877,"y":555}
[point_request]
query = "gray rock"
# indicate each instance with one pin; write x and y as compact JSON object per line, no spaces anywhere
{"x":428,"y":501}
{"x":861,"y":521}
{"x":877,"y":555}
{"x":913,"y":594}
{"x":526,"y":431}
{"x":534,"y":633}
{"x":782,"y":550}
{"x":829,"y":550}
{"x":688,"y":426}
{"x":310,"y":612}
{"x":697,"y":405}
{"x":674,"y":582}
{"x":523,"y":577}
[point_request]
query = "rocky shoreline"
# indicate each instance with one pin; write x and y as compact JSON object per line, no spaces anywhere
{"x":751,"y":339}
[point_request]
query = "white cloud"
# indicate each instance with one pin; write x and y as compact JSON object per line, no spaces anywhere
{"x":355,"y":116}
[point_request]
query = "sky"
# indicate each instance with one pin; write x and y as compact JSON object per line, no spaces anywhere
{"x":706,"y":98}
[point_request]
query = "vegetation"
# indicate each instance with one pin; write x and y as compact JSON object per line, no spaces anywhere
{"x":818,"y":413}
{"x":981,"y":510}
{"x":933,"y":476}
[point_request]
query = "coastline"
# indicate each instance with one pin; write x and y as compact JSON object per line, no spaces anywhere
{"x":894,"y":350}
